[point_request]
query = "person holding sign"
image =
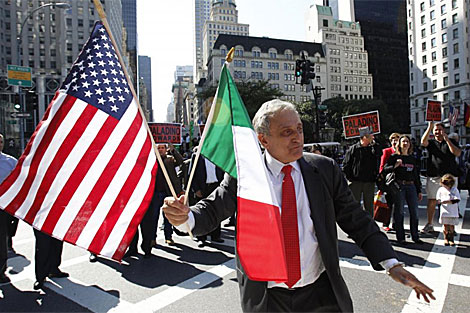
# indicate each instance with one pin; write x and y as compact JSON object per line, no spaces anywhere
{"x":442,"y":153}
{"x":361,"y":167}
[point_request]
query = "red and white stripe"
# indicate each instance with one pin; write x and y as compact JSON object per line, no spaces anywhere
{"x":259,"y":233}
{"x":85,"y":177}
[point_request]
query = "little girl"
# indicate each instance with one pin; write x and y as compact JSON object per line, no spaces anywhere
{"x":448,"y":196}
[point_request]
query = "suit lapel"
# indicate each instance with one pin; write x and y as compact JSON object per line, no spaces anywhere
{"x":314,"y":188}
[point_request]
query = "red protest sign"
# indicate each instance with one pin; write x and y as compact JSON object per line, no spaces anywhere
{"x":433,"y":111}
{"x":352,"y":123}
{"x":166,"y":132}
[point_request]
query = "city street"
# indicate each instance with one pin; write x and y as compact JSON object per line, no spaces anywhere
{"x":186,"y":278}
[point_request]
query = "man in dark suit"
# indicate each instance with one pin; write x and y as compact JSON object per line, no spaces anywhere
{"x":207,"y":177}
{"x":323,"y":200}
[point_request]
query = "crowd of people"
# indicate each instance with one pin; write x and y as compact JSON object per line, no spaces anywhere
{"x":447,"y":168}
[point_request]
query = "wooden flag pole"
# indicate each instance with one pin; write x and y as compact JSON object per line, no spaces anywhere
{"x":228,"y":59}
{"x":103,"y":18}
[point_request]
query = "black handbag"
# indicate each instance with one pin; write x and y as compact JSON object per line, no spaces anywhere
{"x":391,"y":185}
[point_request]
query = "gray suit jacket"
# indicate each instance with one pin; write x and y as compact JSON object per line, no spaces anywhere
{"x":331,"y":203}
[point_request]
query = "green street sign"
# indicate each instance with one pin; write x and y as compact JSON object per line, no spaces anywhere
{"x":11,"y":122}
{"x":19,"y":76}
{"x":322,"y":107}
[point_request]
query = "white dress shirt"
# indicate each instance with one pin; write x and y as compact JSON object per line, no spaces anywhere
{"x":211,"y":175}
{"x":7,"y":164}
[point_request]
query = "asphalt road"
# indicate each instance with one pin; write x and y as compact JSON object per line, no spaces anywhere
{"x":186,"y":278}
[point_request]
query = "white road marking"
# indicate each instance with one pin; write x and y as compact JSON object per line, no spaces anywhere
{"x":437,"y":278}
{"x":173,"y":294}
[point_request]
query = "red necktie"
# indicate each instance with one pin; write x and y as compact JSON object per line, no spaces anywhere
{"x":290,"y":228}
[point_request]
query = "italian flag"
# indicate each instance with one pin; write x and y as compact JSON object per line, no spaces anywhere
{"x":230,"y":142}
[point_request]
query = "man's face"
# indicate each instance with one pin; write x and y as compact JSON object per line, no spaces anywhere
{"x":1,"y":143}
{"x":285,"y":141}
{"x":394,"y":142}
{"x":438,"y":132}
{"x":161,"y":149}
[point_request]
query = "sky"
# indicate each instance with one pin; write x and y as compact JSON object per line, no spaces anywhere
{"x":166,"y":30}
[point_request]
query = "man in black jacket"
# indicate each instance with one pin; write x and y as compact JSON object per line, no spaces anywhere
{"x":361,"y":167}
{"x":324,"y":200}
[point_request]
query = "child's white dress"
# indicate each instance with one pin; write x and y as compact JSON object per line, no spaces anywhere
{"x":449,"y":211}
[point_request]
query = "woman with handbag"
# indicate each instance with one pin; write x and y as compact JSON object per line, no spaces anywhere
{"x":405,"y":169}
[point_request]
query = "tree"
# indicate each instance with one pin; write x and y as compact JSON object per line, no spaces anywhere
{"x":307,"y":116}
{"x":253,"y":94}
{"x":339,"y":107}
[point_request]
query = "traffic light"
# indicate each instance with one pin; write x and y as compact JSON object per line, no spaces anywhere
{"x":308,"y":72}
{"x":321,"y":119}
{"x":17,"y":106}
{"x":298,"y":68}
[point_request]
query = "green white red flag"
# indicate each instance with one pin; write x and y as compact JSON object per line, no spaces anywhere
{"x":231,"y":143}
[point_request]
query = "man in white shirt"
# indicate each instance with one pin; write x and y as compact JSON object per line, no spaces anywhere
{"x":323,"y":200}
{"x":7,"y":164}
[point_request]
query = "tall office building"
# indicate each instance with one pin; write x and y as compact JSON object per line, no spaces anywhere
{"x":383,"y":26}
{"x":50,"y":42}
{"x":438,"y":51}
{"x":145,"y":72}
{"x":183,"y":81}
{"x":129,"y":18}
{"x":223,"y":20}
{"x":347,"y":60}
{"x":202,"y":10}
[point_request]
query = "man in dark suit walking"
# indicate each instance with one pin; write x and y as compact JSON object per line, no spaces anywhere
{"x":322,"y":200}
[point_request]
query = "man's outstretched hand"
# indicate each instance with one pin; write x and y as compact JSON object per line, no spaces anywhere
{"x":401,"y":275}
{"x":175,"y":210}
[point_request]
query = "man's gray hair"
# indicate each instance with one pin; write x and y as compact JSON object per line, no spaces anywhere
{"x":262,"y":119}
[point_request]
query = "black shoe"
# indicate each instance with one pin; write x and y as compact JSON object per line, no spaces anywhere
{"x":93,"y":258}
{"x":218,"y":239}
{"x":419,"y":241}
{"x":147,"y":255}
{"x":38,"y":285}
{"x":229,"y":224}
{"x":4,"y":279}
{"x":402,"y":242}
{"x":201,"y":244}
{"x":58,"y":274}
{"x":130,"y":253}
{"x":170,"y":242}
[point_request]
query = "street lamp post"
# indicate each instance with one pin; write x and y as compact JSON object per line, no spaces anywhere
{"x":60,"y":5}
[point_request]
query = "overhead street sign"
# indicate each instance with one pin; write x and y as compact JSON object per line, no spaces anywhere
{"x":20,"y":114}
{"x":19,"y":76}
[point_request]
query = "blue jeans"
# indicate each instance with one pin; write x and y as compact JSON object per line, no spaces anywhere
{"x":409,"y":194}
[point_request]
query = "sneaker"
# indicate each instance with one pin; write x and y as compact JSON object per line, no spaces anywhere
{"x":4,"y":278}
{"x":386,"y":228}
{"x":170,"y":242}
{"x":428,"y":228}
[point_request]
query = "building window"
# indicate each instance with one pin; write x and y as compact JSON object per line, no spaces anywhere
{"x":444,"y":37}
{"x":457,"y":78}
{"x":445,"y":81}
{"x":325,"y":23}
{"x":433,"y":56}
{"x":433,"y":42}
{"x":443,"y":9}
{"x":432,"y":15}
{"x":455,"y":33}
{"x":444,"y":24}
{"x":411,"y":76}
{"x":456,"y":63}
{"x":425,"y":59}
{"x":423,"y":20}
{"x":454,"y":4}
{"x":421,"y":6}
{"x":446,"y":97}
{"x":434,"y":84}
{"x":423,"y":45}
{"x":431,"y":3}
{"x":425,"y":86}
{"x":445,"y":67}
{"x":425,"y":73}
{"x":434,"y":70}
{"x":456,"y":48}
{"x":457,"y":94}
{"x":423,"y":33}
{"x":444,"y":52}
{"x":433,"y":28}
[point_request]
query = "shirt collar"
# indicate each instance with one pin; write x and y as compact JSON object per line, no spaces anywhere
{"x":275,"y":166}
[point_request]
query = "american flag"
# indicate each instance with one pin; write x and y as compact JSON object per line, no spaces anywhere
{"x":453,"y":115}
{"x":87,"y":174}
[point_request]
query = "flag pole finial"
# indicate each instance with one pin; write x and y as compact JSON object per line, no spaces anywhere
{"x":229,"y":57}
